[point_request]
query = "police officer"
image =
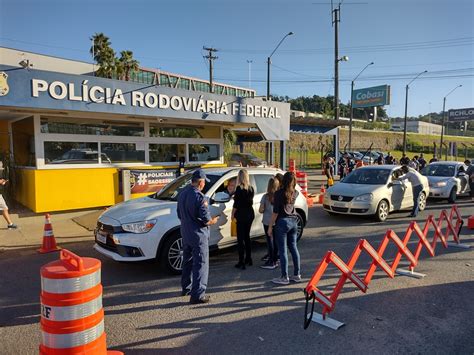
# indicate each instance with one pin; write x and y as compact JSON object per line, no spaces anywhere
{"x":193,"y":211}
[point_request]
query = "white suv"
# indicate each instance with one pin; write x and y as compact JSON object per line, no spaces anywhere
{"x":148,"y":227}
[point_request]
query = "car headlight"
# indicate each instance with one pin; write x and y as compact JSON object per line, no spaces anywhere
{"x":364,"y":198}
{"x":441,"y":183}
{"x":139,"y":227}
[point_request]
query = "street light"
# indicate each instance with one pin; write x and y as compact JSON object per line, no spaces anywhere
{"x":442,"y":124}
{"x":406,"y":112}
{"x":352,"y":98}
{"x":269,"y":62}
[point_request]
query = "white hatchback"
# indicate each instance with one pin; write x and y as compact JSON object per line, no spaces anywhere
{"x":148,"y":227}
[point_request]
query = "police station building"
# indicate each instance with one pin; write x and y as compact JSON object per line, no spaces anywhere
{"x":69,"y":134}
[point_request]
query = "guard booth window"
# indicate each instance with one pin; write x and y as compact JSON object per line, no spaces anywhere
{"x":204,"y":152}
{"x":166,"y":152}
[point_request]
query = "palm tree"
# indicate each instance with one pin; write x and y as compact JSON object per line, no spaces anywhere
{"x":100,"y":44}
{"x":103,"y":54}
{"x":129,"y":63}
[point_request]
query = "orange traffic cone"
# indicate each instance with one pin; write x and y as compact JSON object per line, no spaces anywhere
{"x":321,"y":193}
{"x":49,"y":242}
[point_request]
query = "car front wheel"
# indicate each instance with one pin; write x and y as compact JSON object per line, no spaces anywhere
{"x":422,"y":202}
{"x":452,"y":195}
{"x":299,"y":226}
{"x":382,"y":211}
{"x":171,"y":257}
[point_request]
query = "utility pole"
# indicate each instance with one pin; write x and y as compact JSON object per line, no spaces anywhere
{"x":210,"y":57}
{"x":336,"y":19}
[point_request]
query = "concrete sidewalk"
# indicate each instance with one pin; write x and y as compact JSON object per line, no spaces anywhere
{"x":67,"y":227}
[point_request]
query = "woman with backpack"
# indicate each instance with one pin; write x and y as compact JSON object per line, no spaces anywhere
{"x":284,"y":218}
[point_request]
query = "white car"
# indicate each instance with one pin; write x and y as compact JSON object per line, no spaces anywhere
{"x":148,"y":227}
{"x":373,"y":191}
{"x":447,"y":179}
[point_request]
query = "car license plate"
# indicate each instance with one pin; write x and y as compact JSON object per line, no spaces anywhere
{"x":101,"y":237}
{"x":339,"y":204}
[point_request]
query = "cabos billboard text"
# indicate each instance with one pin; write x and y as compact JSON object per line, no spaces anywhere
{"x":461,"y":114}
{"x":370,"y":97}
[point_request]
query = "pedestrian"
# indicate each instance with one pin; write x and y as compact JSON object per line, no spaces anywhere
{"x":434,"y":159}
{"x":470,"y":174}
{"x":421,"y":161}
{"x":342,"y":166}
{"x":414,"y":163}
{"x":279,"y":177}
{"x":4,"y":208}
{"x":380,"y":159}
{"x":244,"y":215}
{"x":266,"y":208}
{"x":193,"y":212}
{"x":329,"y":171}
{"x":417,"y":187}
{"x":285,"y":219}
{"x":404,"y":160}
{"x":389,"y":159}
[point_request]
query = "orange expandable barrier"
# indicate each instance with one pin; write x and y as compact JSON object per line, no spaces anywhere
{"x":72,"y":316}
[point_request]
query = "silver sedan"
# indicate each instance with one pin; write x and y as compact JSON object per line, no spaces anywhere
{"x":447,"y":179}
{"x":373,"y":190}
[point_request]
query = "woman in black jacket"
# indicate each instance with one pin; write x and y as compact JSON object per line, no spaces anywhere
{"x":244,"y":214}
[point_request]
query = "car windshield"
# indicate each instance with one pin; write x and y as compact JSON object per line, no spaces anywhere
{"x":367,"y":177}
{"x":438,"y":170}
{"x":171,"y":191}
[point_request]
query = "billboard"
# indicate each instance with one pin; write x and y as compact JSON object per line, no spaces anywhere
{"x":370,"y":97}
{"x":142,"y":181}
{"x":461,"y":114}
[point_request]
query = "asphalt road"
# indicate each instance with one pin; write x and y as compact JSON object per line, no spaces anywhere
{"x":145,"y":315}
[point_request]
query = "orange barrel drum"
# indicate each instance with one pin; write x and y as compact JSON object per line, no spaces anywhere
{"x":72,"y":317}
{"x":302,"y":180}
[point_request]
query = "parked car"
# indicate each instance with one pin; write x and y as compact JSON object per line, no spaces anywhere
{"x":373,"y":190}
{"x":148,"y":227}
{"x":246,"y":160}
{"x":447,"y":179}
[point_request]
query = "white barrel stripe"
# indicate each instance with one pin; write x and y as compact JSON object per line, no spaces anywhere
{"x":64,"y":341}
{"x":68,"y":313}
{"x":74,"y":284}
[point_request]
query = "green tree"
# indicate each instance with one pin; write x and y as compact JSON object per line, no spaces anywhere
{"x":230,"y":139}
{"x":129,"y":64}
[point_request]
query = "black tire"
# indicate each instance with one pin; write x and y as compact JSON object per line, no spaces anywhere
{"x":422,"y":202}
{"x":452,"y":195}
{"x":171,"y":256}
{"x":382,"y":211}
{"x":300,"y":225}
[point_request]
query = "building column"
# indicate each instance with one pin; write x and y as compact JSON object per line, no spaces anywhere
{"x":283,"y":155}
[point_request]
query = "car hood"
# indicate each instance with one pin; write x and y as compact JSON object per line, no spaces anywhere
{"x":353,"y":190}
{"x":140,"y":209}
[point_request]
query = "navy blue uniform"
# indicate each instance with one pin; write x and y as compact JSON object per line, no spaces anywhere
{"x":193,"y":211}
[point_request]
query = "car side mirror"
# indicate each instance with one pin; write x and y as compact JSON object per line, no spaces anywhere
{"x":221,"y":197}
